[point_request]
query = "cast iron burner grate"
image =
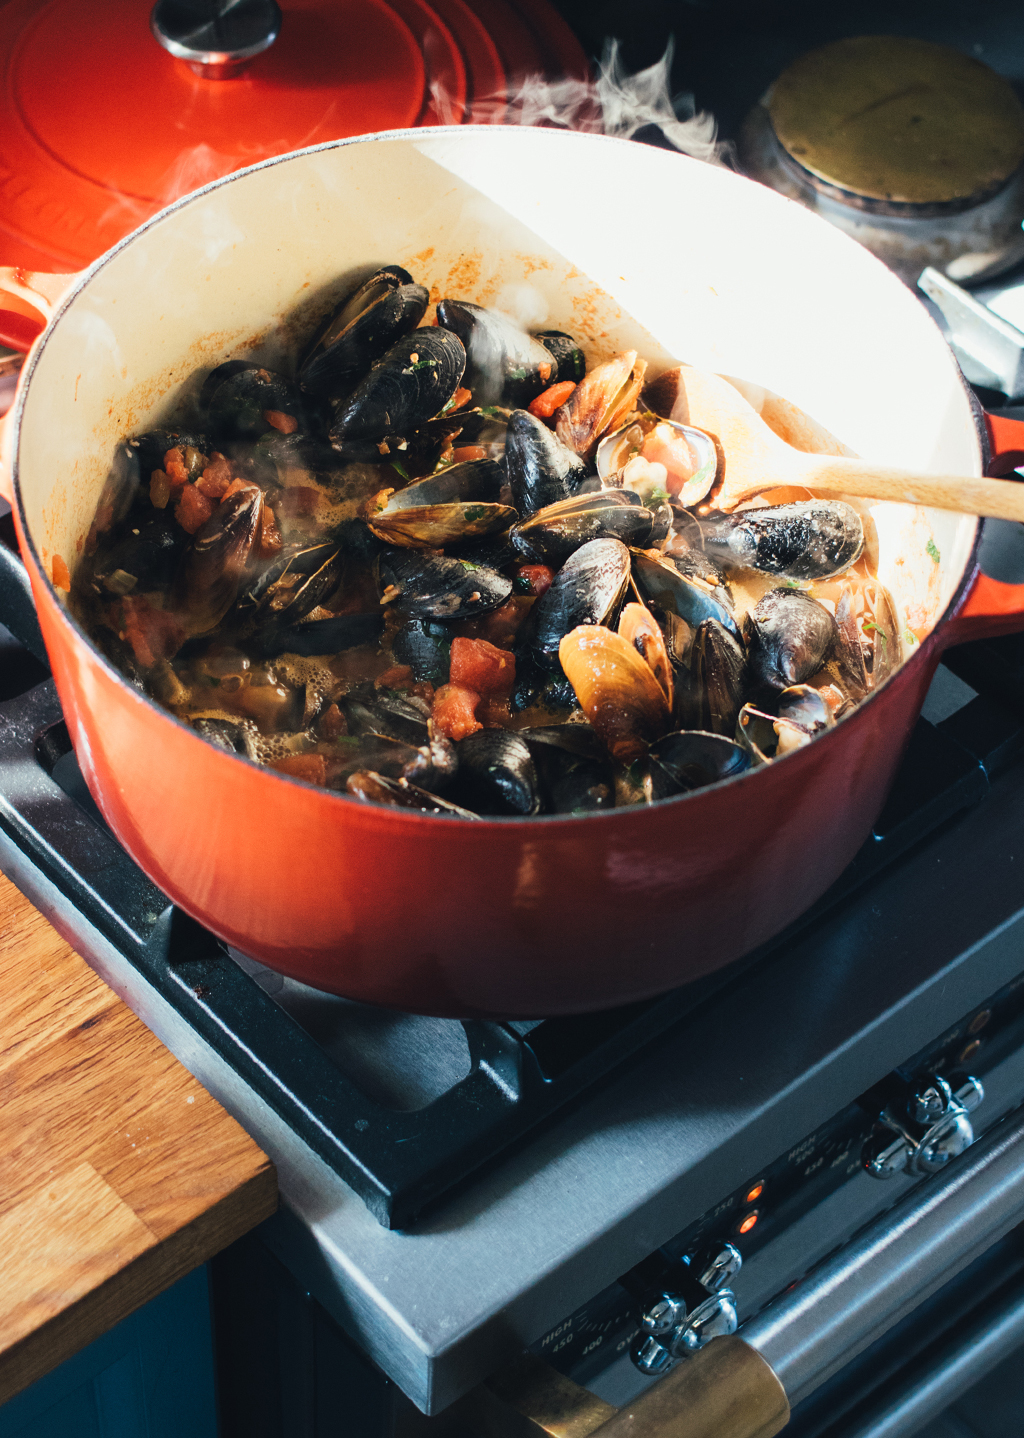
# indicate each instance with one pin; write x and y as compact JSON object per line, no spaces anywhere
{"x":404,"y":1108}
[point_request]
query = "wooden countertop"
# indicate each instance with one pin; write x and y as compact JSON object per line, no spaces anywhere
{"x":118,"y":1172}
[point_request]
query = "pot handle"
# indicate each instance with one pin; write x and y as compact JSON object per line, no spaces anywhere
{"x":28,"y":299}
{"x":992,"y":607}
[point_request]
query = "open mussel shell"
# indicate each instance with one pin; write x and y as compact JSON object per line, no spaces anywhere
{"x":293,"y":584}
{"x":616,"y":450}
{"x":362,"y":329}
{"x":638,"y":627}
{"x":237,"y":406}
{"x":400,"y":794}
{"x":572,"y":783}
{"x":504,"y":364}
{"x":497,"y":774}
{"x":600,"y":403}
{"x":617,"y":690}
{"x":719,"y":666}
{"x":570,"y":362}
{"x":789,"y":635}
{"x":437,"y":586}
{"x":812,"y":539}
{"x":588,"y":589}
{"x":692,"y":759}
{"x":410,"y":384}
{"x":687,"y":595}
{"x":540,"y":469}
{"x":802,"y":713}
{"x":211,"y":569}
{"x":457,"y":504}
{"x":551,"y":534}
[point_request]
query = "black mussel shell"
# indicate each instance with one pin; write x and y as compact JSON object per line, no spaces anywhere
{"x":695,"y":564}
{"x":386,"y":712}
{"x":497,"y":774}
{"x":413,"y":381}
{"x":495,"y":551}
{"x":689,"y":596}
{"x":692,"y":759}
{"x":211,"y":569}
{"x":788,"y":636}
{"x":320,"y":636}
{"x":273,"y":454}
{"x":661,"y":528}
{"x":504,"y":364}
{"x":551,"y":534}
{"x":296,"y":582}
{"x":573,"y":783}
{"x":541,"y":469}
{"x":569,"y":358}
{"x":578,"y":739}
{"x":436,"y":586}
{"x":425,"y":647}
{"x":237,"y":404}
{"x":473,"y":479}
{"x":588,"y":589}
{"x":400,"y":794}
{"x":150,"y":448}
{"x":362,"y":328}
{"x":813,"y":539}
{"x":150,"y":556}
{"x":719,"y":667}
{"x":536,"y":687}
{"x":222,"y":733}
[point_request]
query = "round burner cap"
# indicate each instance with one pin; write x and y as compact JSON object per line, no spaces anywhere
{"x":896,"y":121}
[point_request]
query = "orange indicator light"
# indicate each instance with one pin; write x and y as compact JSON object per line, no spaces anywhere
{"x":747,"y":1223}
{"x":754,"y":1193}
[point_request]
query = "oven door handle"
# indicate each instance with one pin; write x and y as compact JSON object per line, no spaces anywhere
{"x":743,"y":1386}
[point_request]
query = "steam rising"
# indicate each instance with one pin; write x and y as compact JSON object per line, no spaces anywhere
{"x":616,"y":103}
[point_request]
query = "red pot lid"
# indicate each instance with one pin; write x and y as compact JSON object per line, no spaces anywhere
{"x":100,"y":127}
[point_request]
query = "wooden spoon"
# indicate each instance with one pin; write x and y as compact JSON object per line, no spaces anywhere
{"x":756,"y":460}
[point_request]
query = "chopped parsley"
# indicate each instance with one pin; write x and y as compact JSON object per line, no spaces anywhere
{"x":474,"y":512}
{"x":658,"y":497}
{"x":399,"y":468}
{"x":517,"y":374}
{"x":910,"y":636}
{"x":491,"y":409}
{"x":870,"y":624}
{"x":932,"y":552}
{"x":467,"y":564}
{"x":420,"y":364}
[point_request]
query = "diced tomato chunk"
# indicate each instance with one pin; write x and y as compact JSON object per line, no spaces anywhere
{"x":153,"y":633}
{"x":286,"y":423}
{"x":668,"y":447}
{"x":397,"y":677}
{"x":235,"y":486}
{"x":468,"y":451}
{"x":544,"y":406}
{"x":193,"y":509}
{"x":454,"y":712}
{"x":310,"y":767}
{"x":270,"y":538}
{"x":215,"y":478}
{"x":174,"y":468}
{"x":482,"y":667}
{"x":537,"y":577}
{"x":61,"y":574}
{"x":459,"y":398}
{"x":331,"y":723}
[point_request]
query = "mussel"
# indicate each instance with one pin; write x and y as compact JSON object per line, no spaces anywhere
{"x":801,"y":713}
{"x":212,"y":567}
{"x":425,"y":647}
{"x":812,"y":539}
{"x":249,"y":401}
{"x":147,"y":556}
{"x":504,"y":364}
{"x":540,"y":469}
{"x":570,"y":363}
{"x":319,"y":636}
{"x":360,"y":330}
{"x":576,"y":775}
{"x":638,"y":627}
{"x":400,"y":794}
{"x":719,"y":667}
{"x":654,"y":455}
{"x":789,"y":635}
{"x":617,"y":690}
{"x":497,"y":774}
{"x":436,"y":586}
{"x":600,"y":403}
{"x":410,"y":384}
{"x":458,"y":503}
{"x":296,"y":582}
{"x":690,"y":596}
{"x":692,"y":759}
{"x":551,"y":534}
{"x":588,"y":589}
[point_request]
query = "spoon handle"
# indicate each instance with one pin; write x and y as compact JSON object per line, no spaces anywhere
{"x":838,"y":475}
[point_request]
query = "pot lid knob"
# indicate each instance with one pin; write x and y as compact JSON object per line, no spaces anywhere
{"x":215,"y":38}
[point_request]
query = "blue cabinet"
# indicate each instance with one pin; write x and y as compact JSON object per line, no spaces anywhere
{"x":150,"y":1377}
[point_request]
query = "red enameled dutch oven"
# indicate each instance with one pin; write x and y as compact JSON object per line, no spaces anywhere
{"x":623,"y":245}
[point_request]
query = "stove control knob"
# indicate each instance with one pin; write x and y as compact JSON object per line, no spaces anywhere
{"x":714,"y":1267}
{"x":918,"y":1134}
{"x":678,"y":1321}
{"x":215,"y":38}
{"x":664,"y":1314}
{"x":714,"y":1319}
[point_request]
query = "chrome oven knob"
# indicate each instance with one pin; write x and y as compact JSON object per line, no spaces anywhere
{"x":919,"y":1133}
